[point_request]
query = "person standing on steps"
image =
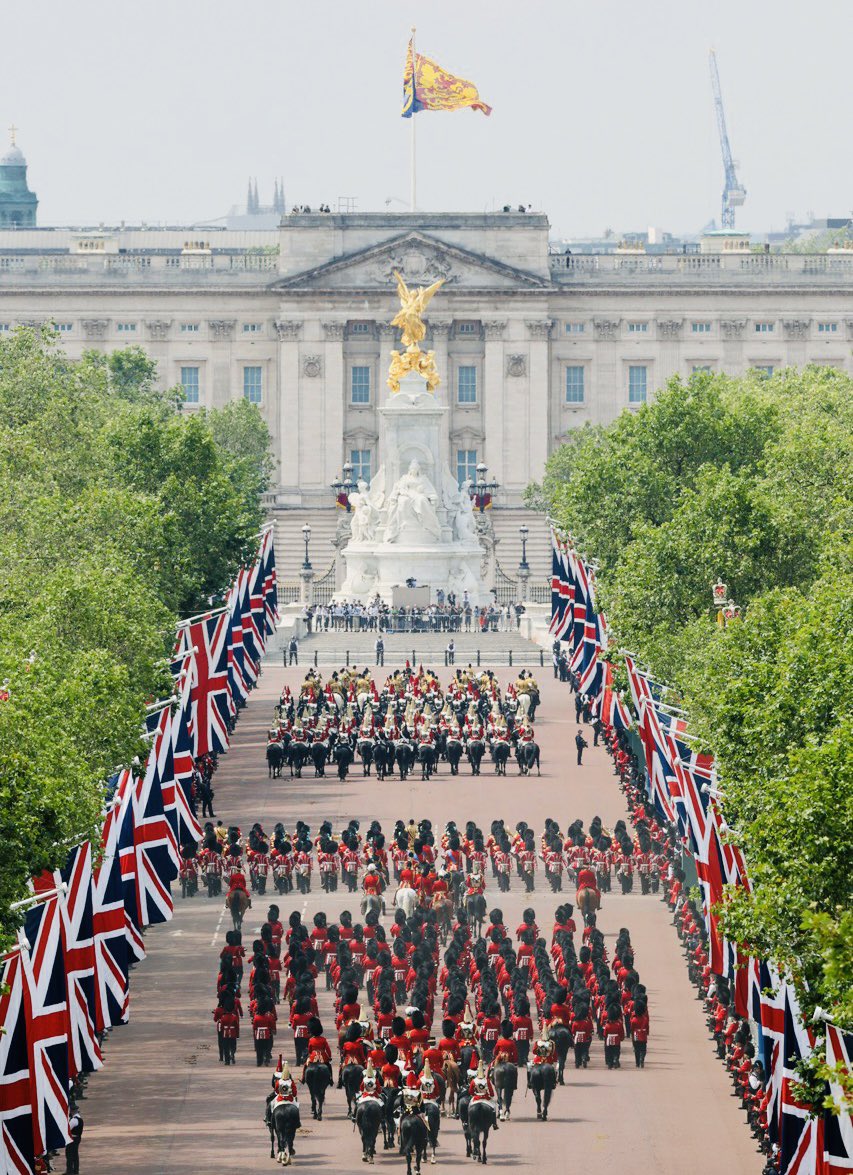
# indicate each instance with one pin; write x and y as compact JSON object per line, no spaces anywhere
{"x":581,"y":744}
{"x":293,"y":651}
{"x":451,"y":653}
{"x":380,"y":650}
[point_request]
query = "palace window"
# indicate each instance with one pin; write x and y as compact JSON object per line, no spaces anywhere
{"x":467,"y":328}
{"x":764,"y":328}
{"x":360,"y":461}
{"x":466,"y":385}
{"x":126,"y":328}
{"x":4,"y":326}
{"x":64,"y":328}
{"x":574,"y":328}
{"x":574,"y":385}
{"x":765,"y":369}
{"x":189,"y":328}
{"x":637,"y":385}
{"x":253,"y":386}
{"x":360,"y":385}
{"x":700,"y":328}
{"x":638,"y":328}
{"x":359,"y":328}
{"x":827,"y":328}
{"x":190,"y":384}
{"x":466,"y":465}
{"x":697,"y":369}
{"x":252,"y":328}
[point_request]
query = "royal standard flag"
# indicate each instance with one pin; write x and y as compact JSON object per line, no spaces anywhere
{"x":426,"y":86}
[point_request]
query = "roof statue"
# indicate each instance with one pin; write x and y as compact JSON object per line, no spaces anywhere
{"x":409,"y":318}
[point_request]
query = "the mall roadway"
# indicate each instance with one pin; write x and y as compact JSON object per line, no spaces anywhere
{"x":164,"y":1104}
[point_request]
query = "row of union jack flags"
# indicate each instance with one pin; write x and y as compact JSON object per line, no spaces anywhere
{"x":67,"y":980}
{"x":681,"y":784}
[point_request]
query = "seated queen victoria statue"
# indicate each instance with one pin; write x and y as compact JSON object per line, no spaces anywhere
{"x":411,"y":509}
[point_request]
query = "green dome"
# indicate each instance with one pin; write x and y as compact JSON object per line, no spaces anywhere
{"x":17,"y":203}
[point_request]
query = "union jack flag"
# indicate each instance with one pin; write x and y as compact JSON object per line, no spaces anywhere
{"x":838,"y":1128}
{"x":16,"y":1111}
{"x":257,"y":604}
{"x":270,"y":581}
{"x":800,"y":1135}
{"x":187,"y":827}
{"x":612,"y":709}
{"x":78,"y":947}
{"x":660,"y":772}
{"x":125,"y":818}
{"x":562,"y":590}
{"x":111,"y":943}
{"x":771,"y":1008}
{"x":208,"y":638}
{"x":155,"y":840}
{"x":254,"y":627}
{"x":239,"y":678}
{"x":48,"y":1028}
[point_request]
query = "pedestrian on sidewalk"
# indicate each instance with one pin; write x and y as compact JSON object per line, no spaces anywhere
{"x":597,"y":731}
{"x":380,"y":651}
{"x":72,"y":1150}
{"x":293,"y":650}
{"x":451,"y":652}
{"x":205,"y":792}
{"x":581,"y":744}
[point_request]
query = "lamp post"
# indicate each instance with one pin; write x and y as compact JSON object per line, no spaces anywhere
{"x":524,"y":566}
{"x":343,"y":487}
{"x":483,"y":490}
{"x":726,"y":609}
{"x":306,"y":573}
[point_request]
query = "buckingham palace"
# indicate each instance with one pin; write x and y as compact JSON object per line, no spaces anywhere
{"x":530,"y":342}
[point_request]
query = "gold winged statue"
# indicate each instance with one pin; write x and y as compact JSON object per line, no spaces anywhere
{"x":409,"y":318}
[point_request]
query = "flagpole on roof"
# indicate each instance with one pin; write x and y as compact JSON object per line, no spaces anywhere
{"x":413,"y":120}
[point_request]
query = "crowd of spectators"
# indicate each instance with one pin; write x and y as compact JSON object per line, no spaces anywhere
{"x":448,"y":614}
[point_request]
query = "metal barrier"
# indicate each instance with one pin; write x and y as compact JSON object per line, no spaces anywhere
{"x":514,"y":658}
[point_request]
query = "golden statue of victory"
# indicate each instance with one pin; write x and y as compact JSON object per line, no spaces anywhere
{"x":409,"y":318}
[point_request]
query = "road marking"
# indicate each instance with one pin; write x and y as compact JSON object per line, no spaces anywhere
{"x":215,"y":938}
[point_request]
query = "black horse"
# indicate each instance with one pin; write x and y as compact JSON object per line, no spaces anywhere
{"x":275,"y":759}
{"x":414,"y":1136}
{"x":562,"y":1039}
{"x":318,"y":1079}
{"x":506,"y":1083}
{"x":365,"y":750}
{"x":319,"y":755}
{"x":453,"y":752}
{"x":476,"y":750}
{"x":543,"y":1081}
{"x":284,"y":1122}
{"x":428,"y":759}
{"x":482,"y":1117}
{"x":404,"y":753}
{"x":527,"y":755}
{"x":383,"y":758}
{"x":343,"y":757}
{"x":500,"y":755}
{"x":297,"y":757}
{"x":351,"y":1081}
{"x":368,"y":1118}
{"x":475,"y":907}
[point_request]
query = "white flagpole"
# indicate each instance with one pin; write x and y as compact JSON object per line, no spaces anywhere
{"x":413,"y":119}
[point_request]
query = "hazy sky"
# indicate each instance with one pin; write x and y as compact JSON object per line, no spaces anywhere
{"x":159,"y":111}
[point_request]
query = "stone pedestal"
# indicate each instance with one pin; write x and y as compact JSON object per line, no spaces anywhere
{"x":432,"y":538}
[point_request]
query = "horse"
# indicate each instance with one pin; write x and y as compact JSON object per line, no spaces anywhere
{"x":365,"y":750}
{"x":428,"y":759}
{"x":588,"y":901}
{"x":297,"y":757}
{"x":453,"y":751}
{"x":500,"y":755}
{"x":476,"y":750}
{"x":343,"y":756}
{"x":542,"y":1079}
{"x":562,"y":1038}
{"x":275,"y":759}
{"x":351,"y":1081}
{"x":318,"y":1079}
{"x":404,"y":753}
{"x":368,"y":1116}
{"x":475,"y":907}
{"x":319,"y":755}
{"x":506,"y":1083}
{"x":371,"y":903}
{"x":238,"y":902}
{"x":284,"y":1122}
{"x":482,"y":1116}
{"x":414,"y":1136}
{"x":527,"y":755}
{"x":383,"y":758}
{"x":432,"y":1113}
{"x":450,"y":1072}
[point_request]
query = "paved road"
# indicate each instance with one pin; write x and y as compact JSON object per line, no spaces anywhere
{"x":163,"y":1103}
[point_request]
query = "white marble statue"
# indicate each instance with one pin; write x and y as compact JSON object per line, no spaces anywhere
{"x":412,"y":507}
{"x":457,"y":503}
{"x":365,"y":517}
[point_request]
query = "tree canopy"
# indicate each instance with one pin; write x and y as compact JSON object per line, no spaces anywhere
{"x":119,"y":513}
{"x":747,"y":480}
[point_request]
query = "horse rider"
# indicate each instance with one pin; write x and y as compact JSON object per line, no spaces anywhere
{"x":475,"y":883}
{"x":587,"y":878}
{"x":482,"y":1090}
{"x":544,"y":1050}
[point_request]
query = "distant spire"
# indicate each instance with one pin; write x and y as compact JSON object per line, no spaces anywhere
{"x":256,"y":202}
{"x":275,"y":197}
{"x":280,"y":206}
{"x":13,"y":130}
{"x":249,"y":198}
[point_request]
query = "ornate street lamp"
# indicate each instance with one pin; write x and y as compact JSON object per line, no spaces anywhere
{"x":306,"y":535}
{"x":482,"y":490}
{"x":343,"y":487}
{"x":524,"y":566}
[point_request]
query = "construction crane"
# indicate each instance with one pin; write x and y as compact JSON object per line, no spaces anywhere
{"x":734,"y":193}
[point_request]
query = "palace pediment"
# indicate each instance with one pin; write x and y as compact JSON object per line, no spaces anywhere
{"x":421,"y":259}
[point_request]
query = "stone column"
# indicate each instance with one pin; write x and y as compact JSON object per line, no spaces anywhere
{"x":492,"y":394}
{"x":669,"y":333}
{"x":610,"y":393}
{"x":219,"y":371}
{"x":540,"y":395}
{"x":286,"y":440}
{"x":732,"y":331}
{"x":797,"y":332}
{"x":333,"y":405}
{"x":389,"y":340}
{"x":440,"y":329}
